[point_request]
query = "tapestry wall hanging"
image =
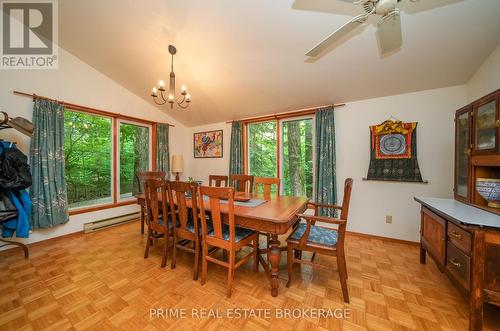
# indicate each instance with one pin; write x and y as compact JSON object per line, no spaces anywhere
{"x":208,"y":144}
{"x":393,"y":152}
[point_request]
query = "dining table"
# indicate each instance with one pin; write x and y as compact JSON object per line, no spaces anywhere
{"x":274,"y":215}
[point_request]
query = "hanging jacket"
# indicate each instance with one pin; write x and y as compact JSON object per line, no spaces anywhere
{"x":21,"y":224}
{"x":14,"y":169}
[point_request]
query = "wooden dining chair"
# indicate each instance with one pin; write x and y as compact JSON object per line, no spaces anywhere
{"x":224,"y":236}
{"x":141,"y":177}
{"x":266,"y":184}
{"x":242,"y":183}
{"x":186,"y":231}
{"x":159,"y":220}
{"x":322,"y":240}
{"x":217,"y":180}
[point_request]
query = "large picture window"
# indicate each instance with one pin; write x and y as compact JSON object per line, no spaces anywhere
{"x":88,"y":167}
{"x":94,"y":177}
{"x":294,"y":139}
{"x":134,"y":156}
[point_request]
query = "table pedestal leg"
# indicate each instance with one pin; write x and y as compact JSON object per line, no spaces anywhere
{"x":274,"y":259}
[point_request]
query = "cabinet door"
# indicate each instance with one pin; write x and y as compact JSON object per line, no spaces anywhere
{"x":486,"y":124}
{"x":434,"y":235}
{"x":462,"y":153}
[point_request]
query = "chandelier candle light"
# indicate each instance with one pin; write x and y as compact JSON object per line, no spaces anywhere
{"x":172,"y":98}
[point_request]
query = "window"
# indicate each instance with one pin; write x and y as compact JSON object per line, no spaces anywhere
{"x":100,"y":163}
{"x":262,"y":149}
{"x":87,"y":149}
{"x":296,"y":155}
{"x":134,"y":156}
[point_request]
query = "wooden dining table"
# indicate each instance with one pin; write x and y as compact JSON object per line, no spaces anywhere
{"x":275,"y":216}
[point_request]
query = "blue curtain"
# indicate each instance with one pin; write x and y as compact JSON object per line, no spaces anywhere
{"x":163,"y":153}
{"x":326,"y":189}
{"x":48,"y":192}
{"x":236,"y":152}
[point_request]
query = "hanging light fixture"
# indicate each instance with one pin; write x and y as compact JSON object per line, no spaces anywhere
{"x":172,"y":99}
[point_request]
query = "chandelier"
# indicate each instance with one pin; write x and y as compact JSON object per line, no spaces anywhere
{"x":172,"y":99}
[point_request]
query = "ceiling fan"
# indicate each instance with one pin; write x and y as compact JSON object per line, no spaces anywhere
{"x":389,"y":25}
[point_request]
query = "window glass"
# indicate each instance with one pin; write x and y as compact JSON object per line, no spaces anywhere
{"x":87,"y":152}
{"x":297,"y":157}
{"x":134,"y":156}
{"x":262,"y":149}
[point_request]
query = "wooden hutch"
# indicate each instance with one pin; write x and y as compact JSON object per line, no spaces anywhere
{"x":463,"y":235}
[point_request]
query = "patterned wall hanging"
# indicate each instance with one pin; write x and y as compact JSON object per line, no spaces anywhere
{"x":393,"y":152}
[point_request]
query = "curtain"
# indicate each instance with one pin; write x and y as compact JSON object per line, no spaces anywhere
{"x":48,"y":192}
{"x":236,"y":152}
{"x":326,"y":189}
{"x":163,"y":153}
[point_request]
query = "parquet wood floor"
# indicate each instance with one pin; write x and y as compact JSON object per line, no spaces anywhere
{"x":101,"y":281}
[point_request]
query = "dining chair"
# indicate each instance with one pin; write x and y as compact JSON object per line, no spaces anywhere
{"x":159,"y":220}
{"x":224,"y":236}
{"x":242,"y":183}
{"x":322,"y":240}
{"x":141,"y":177}
{"x":186,"y":230}
{"x":217,"y":181}
{"x":266,"y":184}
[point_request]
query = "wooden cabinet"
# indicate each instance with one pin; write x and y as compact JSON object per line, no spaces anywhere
{"x":477,"y":148}
{"x":462,"y":152}
{"x":486,"y":124}
{"x":433,"y":235}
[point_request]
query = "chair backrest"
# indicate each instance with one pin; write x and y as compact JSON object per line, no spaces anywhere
{"x":242,"y":183}
{"x":266,"y":184}
{"x":215,"y":195}
{"x":218,"y":180}
{"x":142,"y":176}
{"x":177,"y":190}
{"x":347,"y":198}
{"x":155,"y":193}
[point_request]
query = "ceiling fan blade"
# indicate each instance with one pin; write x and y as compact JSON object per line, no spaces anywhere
{"x":389,"y":34}
{"x":337,"y":35}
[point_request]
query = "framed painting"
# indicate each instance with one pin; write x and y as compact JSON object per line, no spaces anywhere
{"x":208,"y":144}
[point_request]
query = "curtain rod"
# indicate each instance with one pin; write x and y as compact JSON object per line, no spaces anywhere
{"x":88,"y":109}
{"x":298,"y":112}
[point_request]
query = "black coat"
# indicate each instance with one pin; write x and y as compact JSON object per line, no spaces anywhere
{"x":14,"y":170}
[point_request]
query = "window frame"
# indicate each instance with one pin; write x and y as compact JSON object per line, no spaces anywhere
{"x":279,"y":142}
{"x":115,"y":121}
{"x":118,"y":164}
{"x":281,"y":149}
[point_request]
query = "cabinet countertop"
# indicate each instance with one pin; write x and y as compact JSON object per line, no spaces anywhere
{"x":461,"y":212}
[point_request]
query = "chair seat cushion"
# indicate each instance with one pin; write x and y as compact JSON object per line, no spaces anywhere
{"x":239,"y":233}
{"x":190,"y":226}
{"x":169,"y":221}
{"x":318,"y":235}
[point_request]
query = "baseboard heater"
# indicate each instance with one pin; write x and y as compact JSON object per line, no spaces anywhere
{"x":109,"y":222}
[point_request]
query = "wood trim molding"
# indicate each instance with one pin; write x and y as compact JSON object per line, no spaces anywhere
{"x":90,"y":209}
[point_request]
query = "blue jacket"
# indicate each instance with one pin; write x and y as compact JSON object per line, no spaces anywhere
{"x":21,"y":224}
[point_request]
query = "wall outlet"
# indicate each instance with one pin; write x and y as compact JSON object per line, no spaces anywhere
{"x":388,"y":219}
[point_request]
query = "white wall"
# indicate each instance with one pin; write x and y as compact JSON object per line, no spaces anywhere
{"x":372,"y":201}
{"x":486,"y":79}
{"x":78,"y":83}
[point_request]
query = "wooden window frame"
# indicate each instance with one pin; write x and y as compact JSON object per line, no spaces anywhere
{"x":278,"y":119}
{"x":115,"y":121}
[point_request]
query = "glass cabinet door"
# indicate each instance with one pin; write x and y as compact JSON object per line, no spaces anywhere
{"x":462,"y":154}
{"x":485,"y":127}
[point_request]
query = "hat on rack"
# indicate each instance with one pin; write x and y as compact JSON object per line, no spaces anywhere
{"x":22,"y":125}
{"x":4,"y":117}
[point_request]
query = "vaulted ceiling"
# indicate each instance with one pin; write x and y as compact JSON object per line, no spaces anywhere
{"x":246,"y":58}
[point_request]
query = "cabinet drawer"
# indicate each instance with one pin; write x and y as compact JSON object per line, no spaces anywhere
{"x":458,"y":264}
{"x":459,"y":237}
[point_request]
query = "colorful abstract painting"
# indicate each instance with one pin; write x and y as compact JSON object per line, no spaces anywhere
{"x":208,"y":144}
